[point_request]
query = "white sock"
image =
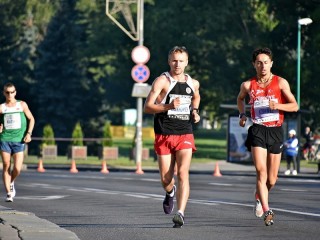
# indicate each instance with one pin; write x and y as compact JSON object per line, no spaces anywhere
{"x":172,"y":192}
{"x":179,"y":211}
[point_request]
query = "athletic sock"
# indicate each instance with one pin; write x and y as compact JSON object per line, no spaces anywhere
{"x":171,"y":193}
{"x":257,"y":196}
{"x":179,"y":211}
{"x":265,"y":208}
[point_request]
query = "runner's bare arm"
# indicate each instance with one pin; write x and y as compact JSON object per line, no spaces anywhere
{"x":151,"y":105}
{"x":196,"y":97}
{"x":291,"y":104}
{"x":31,"y":121}
{"x":244,"y":89}
{"x":196,"y":101}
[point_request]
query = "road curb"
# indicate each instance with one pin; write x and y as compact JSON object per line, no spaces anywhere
{"x":25,"y":225}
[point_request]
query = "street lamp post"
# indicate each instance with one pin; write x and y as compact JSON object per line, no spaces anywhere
{"x":302,"y":21}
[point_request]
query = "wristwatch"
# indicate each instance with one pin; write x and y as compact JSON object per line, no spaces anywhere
{"x":241,"y":115}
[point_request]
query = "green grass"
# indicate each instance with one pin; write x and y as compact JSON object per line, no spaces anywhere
{"x":211,"y":146}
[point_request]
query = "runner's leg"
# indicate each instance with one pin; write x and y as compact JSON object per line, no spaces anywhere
{"x":6,"y":174}
{"x":260,"y":161}
{"x":273,"y":168}
{"x":166,"y":169}
{"x":17,"y":165}
{"x":183,"y":159}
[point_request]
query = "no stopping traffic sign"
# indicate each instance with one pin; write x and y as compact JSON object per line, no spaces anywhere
{"x":140,"y":73}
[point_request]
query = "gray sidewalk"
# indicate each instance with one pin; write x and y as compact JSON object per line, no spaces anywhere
{"x":16,"y":225}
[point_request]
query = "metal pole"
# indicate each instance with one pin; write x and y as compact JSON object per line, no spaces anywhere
{"x":138,"y":139}
{"x":298,"y":64}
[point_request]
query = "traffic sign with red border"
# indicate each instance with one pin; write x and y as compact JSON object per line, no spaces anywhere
{"x":140,"y":73}
{"x":140,"y":54}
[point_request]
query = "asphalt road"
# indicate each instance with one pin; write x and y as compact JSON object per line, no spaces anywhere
{"x":124,"y":205}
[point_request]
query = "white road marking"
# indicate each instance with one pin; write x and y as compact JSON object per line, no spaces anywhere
{"x":152,"y":196}
{"x":43,"y":197}
{"x":136,"y":196}
{"x":221,"y":184}
{"x":77,"y":176}
{"x":150,"y":180}
{"x":300,"y":180}
{"x":292,"y":190}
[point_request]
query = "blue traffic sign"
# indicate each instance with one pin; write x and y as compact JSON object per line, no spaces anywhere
{"x":140,"y":73}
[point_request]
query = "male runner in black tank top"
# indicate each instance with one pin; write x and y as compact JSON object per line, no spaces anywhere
{"x":174,"y":99}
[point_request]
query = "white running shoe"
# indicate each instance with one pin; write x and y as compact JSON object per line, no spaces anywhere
{"x":258,"y":211}
{"x":9,"y":198}
{"x":294,"y":172}
{"x":287,"y":172}
{"x":12,"y":190}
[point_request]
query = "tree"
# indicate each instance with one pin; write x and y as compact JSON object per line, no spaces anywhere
{"x":81,"y":69}
{"x":77,"y":135}
{"x":107,"y":134}
{"x":10,"y":19}
{"x":61,"y":82}
{"x":48,"y":135}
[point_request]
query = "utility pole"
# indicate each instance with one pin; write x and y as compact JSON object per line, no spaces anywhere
{"x":140,"y":55}
{"x":139,"y":99}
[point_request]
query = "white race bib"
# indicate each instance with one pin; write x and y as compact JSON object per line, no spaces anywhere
{"x":263,"y":113}
{"x":184,"y":108}
{"x":12,"y":121}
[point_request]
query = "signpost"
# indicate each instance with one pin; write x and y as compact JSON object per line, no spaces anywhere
{"x":140,"y":55}
{"x":140,"y":73}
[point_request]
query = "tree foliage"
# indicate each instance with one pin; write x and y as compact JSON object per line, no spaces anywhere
{"x":71,"y":63}
{"x":107,"y":134}
{"x":48,"y":135}
{"x":77,"y":135}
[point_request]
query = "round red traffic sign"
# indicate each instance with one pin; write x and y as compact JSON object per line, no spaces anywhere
{"x":140,"y":73}
{"x":140,"y":54}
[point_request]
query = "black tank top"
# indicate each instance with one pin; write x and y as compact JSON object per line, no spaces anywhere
{"x":176,"y":121}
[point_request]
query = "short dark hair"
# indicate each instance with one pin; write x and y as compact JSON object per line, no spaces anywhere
{"x":258,"y":51}
{"x":180,"y":49}
{"x":7,"y":85}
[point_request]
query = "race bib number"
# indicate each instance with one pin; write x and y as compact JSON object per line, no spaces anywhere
{"x":12,"y":121}
{"x":184,"y":108}
{"x":263,"y":113}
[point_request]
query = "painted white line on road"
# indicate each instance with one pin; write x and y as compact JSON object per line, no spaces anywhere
{"x":136,"y":196}
{"x":300,"y":180}
{"x":297,"y":212}
{"x":203,"y":202}
{"x":43,"y":197}
{"x":154,"y":195}
{"x":160,"y":197}
{"x":251,"y":206}
{"x":293,"y":190}
{"x":77,"y":176}
{"x":221,"y":184}
{"x":124,"y":178}
{"x":77,"y":190}
{"x":150,"y":180}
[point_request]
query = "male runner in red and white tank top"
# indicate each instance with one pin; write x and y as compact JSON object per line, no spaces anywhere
{"x":270,"y":96}
{"x":174,"y":99}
